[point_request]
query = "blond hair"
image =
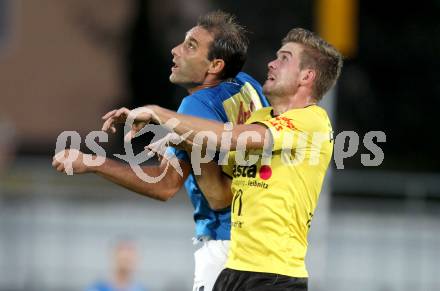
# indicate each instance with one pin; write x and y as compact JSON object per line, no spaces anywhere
{"x":318,"y":55}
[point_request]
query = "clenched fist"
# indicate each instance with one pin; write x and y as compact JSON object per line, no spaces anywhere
{"x":72,"y":161}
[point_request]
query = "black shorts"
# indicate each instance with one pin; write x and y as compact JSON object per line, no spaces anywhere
{"x":234,"y":280}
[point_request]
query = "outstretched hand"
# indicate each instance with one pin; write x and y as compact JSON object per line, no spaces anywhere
{"x":139,"y":117}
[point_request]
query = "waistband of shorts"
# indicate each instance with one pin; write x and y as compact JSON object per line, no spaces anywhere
{"x":204,"y":239}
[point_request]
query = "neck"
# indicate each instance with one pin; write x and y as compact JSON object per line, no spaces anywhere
{"x":282,"y":104}
{"x":205,"y":84}
{"x":122,"y":279}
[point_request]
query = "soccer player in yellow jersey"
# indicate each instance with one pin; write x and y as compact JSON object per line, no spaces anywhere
{"x":275,"y":182}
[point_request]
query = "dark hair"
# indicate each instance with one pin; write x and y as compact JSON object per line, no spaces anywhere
{"x":230,"y":41}
{"x":319,"y":55}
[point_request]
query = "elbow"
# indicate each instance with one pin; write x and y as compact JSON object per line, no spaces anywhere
{"x":162,"y":194}
{"x":162,"y":190}
{"x":162,"y":197}
{"x":168,"y":192}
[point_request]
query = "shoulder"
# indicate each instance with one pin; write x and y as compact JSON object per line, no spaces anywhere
{"x":204,"y":96}
{"x":244,"y":77}
{"x":313,"y":111}
{"x":225,"y":89}
{"x":259,"y":115}
{"x":212,"y":97}
{"x":311,"y":118}
{"x":201,"y":104}
{"x":198,"y":99}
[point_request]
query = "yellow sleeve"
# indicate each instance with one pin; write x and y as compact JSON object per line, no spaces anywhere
{"x":286,"y":132}
{"x":297,"y":128}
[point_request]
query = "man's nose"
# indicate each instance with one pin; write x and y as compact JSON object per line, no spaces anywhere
{"x":272,"y":64}
{"x":174,"y":50}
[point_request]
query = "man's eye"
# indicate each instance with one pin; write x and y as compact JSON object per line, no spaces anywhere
{"x":190,"y":45}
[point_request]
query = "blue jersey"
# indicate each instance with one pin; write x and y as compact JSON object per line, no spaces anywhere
{"x":230,"y":101}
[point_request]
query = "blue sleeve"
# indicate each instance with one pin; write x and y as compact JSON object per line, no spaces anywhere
{"x":191,"y":105}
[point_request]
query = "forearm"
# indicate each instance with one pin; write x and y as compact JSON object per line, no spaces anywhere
{"x":215,"y":186}
{"x":187,"y":124}
{"x":122,"y":174}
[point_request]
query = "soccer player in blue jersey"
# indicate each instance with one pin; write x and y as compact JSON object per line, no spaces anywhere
{"x":207,"y":64}
{"x":125,"y":259}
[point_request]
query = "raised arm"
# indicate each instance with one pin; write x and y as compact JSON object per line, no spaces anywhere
{"x":253,"y":136}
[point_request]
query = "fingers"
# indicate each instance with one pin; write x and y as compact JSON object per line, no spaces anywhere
{"x":113,"y":117}
{"x":121,"y":113}
{"x":108,"y":126}
{"x":58,"y":161}
{"x":116,"y":113}
{"x":108,"y":114}
{"x":55,"y":163}
{"x":59,"y":157}
{"x":62,"y":161}
{"x":141,"y":114}
{"x":60,"y":168}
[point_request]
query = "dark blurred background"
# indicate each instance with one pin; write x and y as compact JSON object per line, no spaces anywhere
{"x":83,"y":58}
{"x":63,"y":64}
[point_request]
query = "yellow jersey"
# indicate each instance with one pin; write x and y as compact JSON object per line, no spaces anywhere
{"x":275,"y":197}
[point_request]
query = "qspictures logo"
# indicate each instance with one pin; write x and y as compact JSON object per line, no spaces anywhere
{"x":346,"y":145}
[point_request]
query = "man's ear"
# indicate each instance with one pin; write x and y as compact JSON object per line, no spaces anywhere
{"x":307,"y":77}
{"x":216,"y":66}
